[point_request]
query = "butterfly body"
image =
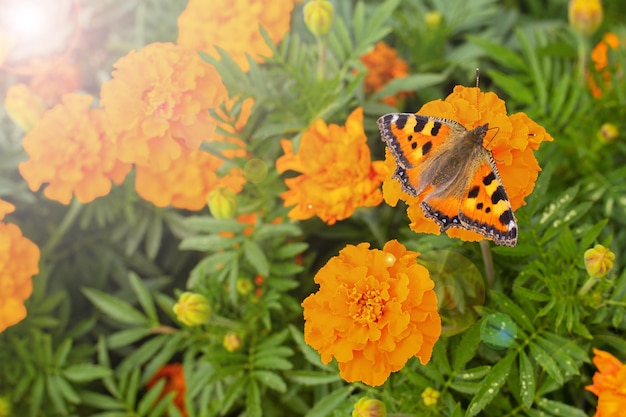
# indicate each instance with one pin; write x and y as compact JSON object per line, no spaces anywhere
{"x":457,"y":175}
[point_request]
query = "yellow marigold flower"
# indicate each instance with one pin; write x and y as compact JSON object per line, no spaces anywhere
{"x":5,"y":208}
{"x":231,"y":118}
{"x":19,"y":262}
{"x":374,"y":310}
{"x":187,"y":183}
{"x":368,"y":407}
{"x":192,"y":309}
{"x":430,"y":396}
{"x":338,"y":174}
{"x":231,"y":342}
{"x":608,"y":385}
{"x":318,"y":16}
{"x":513,"y":146}
{"x":599,"y":261}
{"x":24,"y":106}
{"x":234,"y":27}
{"x":70,"y":150}
{"x":158,"y":101}
{"x":383,"y":65}
{"x":600,"y":59}
{"x":585,"y":16}
{"x":54,"y":79}
{"x":174,"y":382}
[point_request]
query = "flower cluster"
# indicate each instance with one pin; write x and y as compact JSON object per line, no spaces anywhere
{"x":608,"y":385}
{"x":338,"y":174}
{"x":512,"y":146}
{"x":234,"y":27}
{"x":70,"y":150}
{"x":157,"y":103}
{"x":19,"y":262}
{"x":600,"y":59}
{"x":374,"y":310}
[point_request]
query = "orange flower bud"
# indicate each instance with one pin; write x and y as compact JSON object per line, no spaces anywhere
{"x":599,"y":261}
{"x":585,"y":16}
{"x":24,"y":106}
{"x":192,"y":309}
{"x":223,"y":203}
{"x":231,"y":342}
{"x":430,"y":396}
{"x":318,"y":16}
{"x":367,"y":407}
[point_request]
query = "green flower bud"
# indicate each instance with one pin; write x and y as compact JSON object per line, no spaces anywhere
{"x":368,"y":407}
{"x":599,"y":261}
{"x":430,"y":396}
{"x":223,"y":203}
{"x":318,"y":16}
{"x":192,"y":309}
{"x":231,"y":342}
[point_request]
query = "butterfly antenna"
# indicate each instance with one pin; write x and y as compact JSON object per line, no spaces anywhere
{"x":477,"y":90}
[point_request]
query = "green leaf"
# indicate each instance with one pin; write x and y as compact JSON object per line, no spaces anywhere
{"x":276,"y":230}
{"x":473,"y":374}
{"x":206,"y":224}
{"x":100,"y":401}
{"x":115,"y":308}
{"x":491,"y":385}
{"x":61,"y":353}
{"x":557,"y":408}
{"x":211,"y":243}
{"x":127,"y":337}
{"x":86,"y":372}
{"x":330,"y":402}
{"x":499,"y":53}
{"x":144,"y":297}
{"x":526,"y":380}
{"x":269,"y":362}
{"x":290,"y":250}
{"x":233,"y":393}
{"x":513,"y":87}
{"x":149,"y":399}
{"x":53,"y":388}
{"x":543,"y":359}
{"x":271,"y":380}
{"x":255,"y":255}
{"x":312,"y":377}
{"x":513,"y":310}
{"x":154,"y":235}
{"x":467,"y":348}
{"x":411,"y":83}
{"x":253,"y":400}
{"x":310,"y":354}
{"x":36,"y":396}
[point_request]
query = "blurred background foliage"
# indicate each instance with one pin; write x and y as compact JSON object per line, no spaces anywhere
{"x":100,"y":320}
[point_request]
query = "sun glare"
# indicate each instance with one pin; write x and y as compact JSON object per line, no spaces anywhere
{"x":26,"y":20}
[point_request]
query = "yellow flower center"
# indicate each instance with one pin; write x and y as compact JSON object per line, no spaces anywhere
{"x":365,"y":306}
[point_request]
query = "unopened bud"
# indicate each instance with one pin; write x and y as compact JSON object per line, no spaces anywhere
{"x":318,"y":16}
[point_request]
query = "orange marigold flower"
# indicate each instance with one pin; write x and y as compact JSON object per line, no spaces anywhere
{"x":186,"y":184}
{"x":608,"y":385}
{"x":383,"y":65}
{"x":338,"y":174}
{"x":234,"y":27}
{"x":513,"y":143}
{"x":600,"y":59}
{"x":70,"y":150}
{"x":24,"y":106}
{"x":231,"y":118}
{"x":55,"y":79}
{"x":175,"y":382}
{"x":374,"y":310}
{"x":5,"y":208}
{"x":19,"y":262}
{"x":158,"y":101}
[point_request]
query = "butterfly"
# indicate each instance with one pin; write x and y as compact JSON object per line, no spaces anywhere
{"x":457,"y":174}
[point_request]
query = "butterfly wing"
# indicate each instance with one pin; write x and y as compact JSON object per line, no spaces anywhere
{"x":413,"y":139}
{"x":485,"y":207}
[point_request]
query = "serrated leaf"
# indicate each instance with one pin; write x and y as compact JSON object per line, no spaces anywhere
{"x":491,"y":385}
{"x":269,"y":362}
{"x":100,"y":401}
{"x":255,"y":255}
{"x":266,"y":231}
{"x":270,"y":379}
{"x":526,"y":380}
{"x":543,"y":359}
{"x":234,"y":392}
{"x":253,"y":400}
{"x":513,"y":310}
{"x":211,"y":243}
{"x":473,"y":373}
{"x":330,"y":402}
{"x":127,"y":337}
{"x":86,"y":372}
{"x":467,"y":348}
{"x":147,"y":401}
{"x":115,"y":308}
{"x":144,"y":297}
{"x":560,"y":409}
{"x":312,"y":377}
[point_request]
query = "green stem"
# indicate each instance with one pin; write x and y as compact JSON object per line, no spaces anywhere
{"x":582,"y":57}
{"x":591,"y":281}
{"x":321,"y":56}
{"x":488,"y":260}
{"x":60,"y":231}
